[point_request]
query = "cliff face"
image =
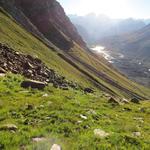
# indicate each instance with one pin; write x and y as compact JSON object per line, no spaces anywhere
{"x":45,"y":17}
{"x":50,"y":19}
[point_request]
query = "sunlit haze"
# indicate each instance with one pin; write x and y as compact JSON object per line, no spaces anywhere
{"x":111,"y":8}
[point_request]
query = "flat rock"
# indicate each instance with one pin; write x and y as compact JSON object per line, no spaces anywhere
{"x":45,"y":95}
{"x":38,"y":139}
{"x":137,"y":134}
{"x":100,"y":133}
{"x":33,"y":84}
{"x":79,"y":121}
{"x":10,"y":127}
{"x":125,"y":101}
{"x":55,"y":147}
{"x":83,"y":117}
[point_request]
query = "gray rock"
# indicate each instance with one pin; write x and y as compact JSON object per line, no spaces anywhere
{"x":79,"y":122}
{"x":135,"y":100}
{"x":38,"y":139}
{"x":100,"y":133}
{"x":137,"y":134}
{"x":55,"y":147}
{"x":83,"y":117}
{"x":88,"y":90}
{"x":2,"y":70}
{"x":113,"y":101}
{"x":45,"y":95}
{"x":10,"y":127}
{"x":33,"y":84}
{"x":125,"y":101}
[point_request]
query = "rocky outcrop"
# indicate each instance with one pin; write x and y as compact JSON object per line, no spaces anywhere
{"x":49,"y":17}
{"x":32,"y":68}
{"x":33,"y":84}
{"x":45,"y":17}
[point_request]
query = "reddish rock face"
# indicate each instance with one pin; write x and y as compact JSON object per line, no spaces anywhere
{"x":49,"y":17}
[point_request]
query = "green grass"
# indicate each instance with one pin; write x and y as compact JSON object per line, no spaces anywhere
{"x":56,"y":118}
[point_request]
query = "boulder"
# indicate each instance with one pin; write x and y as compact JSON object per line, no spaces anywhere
{"x":112,"y":100}
{"x":55,"y":147}
{"x":45,"y":95}
{"x":33,"y":84}
{"x":125,"y":101}
{"x":135,"y":100}
{"x":88,"y":90}
{"x":100,"y":133}
{"x":30,"y":107}
{"x":137,"y":134}
{"x":2,"y":70}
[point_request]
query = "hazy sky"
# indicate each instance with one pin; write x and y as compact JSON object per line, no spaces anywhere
{"x":111,"y":8}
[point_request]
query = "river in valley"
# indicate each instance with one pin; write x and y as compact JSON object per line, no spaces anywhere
{"x":105,"y":53}
{"x":108,"y":55}
{"x":133,"y":68}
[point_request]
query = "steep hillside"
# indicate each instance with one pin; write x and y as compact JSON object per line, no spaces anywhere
{"x":78,"y":101}
{"x":80,"y":64}
{"x":51,"y":14}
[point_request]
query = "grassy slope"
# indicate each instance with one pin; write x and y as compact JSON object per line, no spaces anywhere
{"x":56,"y":118}
{"x":20,"y":40}
{"x":111,"y":73}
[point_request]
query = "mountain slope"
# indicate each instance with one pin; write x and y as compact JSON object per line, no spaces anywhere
{"x":71,"y":118}
{"x":76,"y":63}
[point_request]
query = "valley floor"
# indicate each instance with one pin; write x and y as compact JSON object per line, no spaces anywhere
{"x":134,"y":68}
{"x":35,"y":120}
